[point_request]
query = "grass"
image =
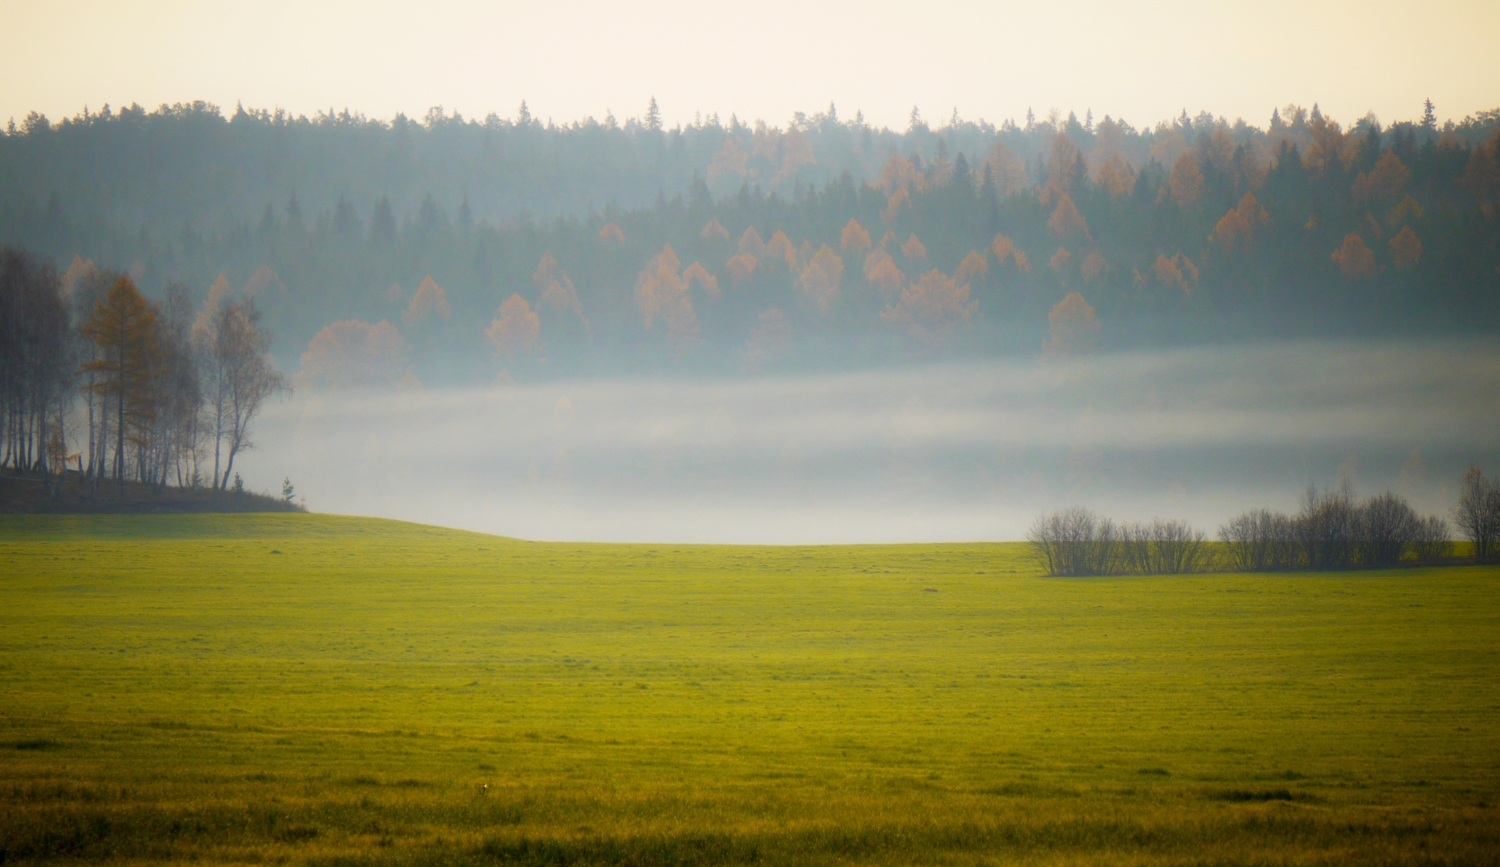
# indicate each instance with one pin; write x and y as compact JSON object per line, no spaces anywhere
{"x":314,"y":689}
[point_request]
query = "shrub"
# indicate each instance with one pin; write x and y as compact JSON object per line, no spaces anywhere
{"x":1387,"y":529}
{"x":1432,"y":540}
{"x":1075,"y":542}
{"x":1327,"y":528}
{"x":1162,"y":548}
{"x":1259,"y":541}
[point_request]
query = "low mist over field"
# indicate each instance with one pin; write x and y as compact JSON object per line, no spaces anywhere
{"x":950,"y":452}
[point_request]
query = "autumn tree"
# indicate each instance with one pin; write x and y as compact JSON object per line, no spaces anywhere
{"x":122,"y":328}
{"x":514,"y":332}
{"x":662,"y":295}
{"x":713,"y":230}
{"x":1406,"y":248}
{"x":354,"y":353}
{"x":1186,"y":182}
{"x":612,"y":234}
{"x":1116,"y":178}
{"x":854,"y":238}
{"x":1354,"y":258}
{"x":1066,"y":222}
{"x":1236,"y":230}
{"x":931,"y":310}
{"x":820,"y":279}
{"x":428,"y":302}
{"x":1074,"y":328}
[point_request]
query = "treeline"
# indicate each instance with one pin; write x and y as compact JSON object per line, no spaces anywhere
{"x":1331,"y":531}
{"x":727,"y":246}
{"x":147,"y":391}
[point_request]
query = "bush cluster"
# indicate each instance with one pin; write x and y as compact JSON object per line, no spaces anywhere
{"x":1332,"y":530}
{"x":1077,"y":542}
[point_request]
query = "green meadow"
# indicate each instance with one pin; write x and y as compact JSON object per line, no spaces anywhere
{"x":314,"y":689}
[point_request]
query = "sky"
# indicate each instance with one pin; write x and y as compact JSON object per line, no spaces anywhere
{"x":764,"y":60}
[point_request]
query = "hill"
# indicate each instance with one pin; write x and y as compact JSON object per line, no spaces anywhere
{"x":314,"y":688}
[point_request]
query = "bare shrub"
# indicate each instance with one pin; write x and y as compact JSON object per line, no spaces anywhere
{"x":1260,"y":541}
{"x":1162,"y":548}
{"x":1432,"y":541}
{"x":1075,"y":542}
{"x":1478,"y":514}
{"x":1387,"y":527}
{"x":1327,"y":528}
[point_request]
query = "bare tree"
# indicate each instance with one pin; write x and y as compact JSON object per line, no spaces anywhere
{"x":1327,"y":526}
{"x":1387,"y":527}
{"x":1432,"y":541}
{"x":242,"y":378}
{"x":1478,"y":513}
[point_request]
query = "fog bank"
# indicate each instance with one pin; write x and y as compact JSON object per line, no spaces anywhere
{"x":924,"y":453}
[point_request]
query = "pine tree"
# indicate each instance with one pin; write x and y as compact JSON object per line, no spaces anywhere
{"x":653,"y":116}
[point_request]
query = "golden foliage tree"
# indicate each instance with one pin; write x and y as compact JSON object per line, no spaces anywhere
{"x":1060,"y":262}
{"x":1093,"y":267}
{"x":1355,"y":259}
{"x":974,"y":265}
{"x":932,"y":309}
{"x":612,"y":234}
{"x":1177,"y":274}
{"x":914,"y":249}
{"x":713,"y":230}
{"x":515,"y":332}
{"x":1406,"y":248}
{"x":1186,"y":181}
{"x":429,"y":301}
{"x":740,"y":267}
{"x":122,"y":327}
{"x":780,"y":249}
{"x":1385,"y":182}
{"x":854,"y":238}
{"x":898,"y":202}
{"x":1066,"y":221}
{"x":1116,"y":178}
{"x":1006,"y":251}
{"x":1236,"y":230}
{"x":821,"y":278}
{"x":661,"y":294}
{"x":751,"y":244}
{"x":355,"y":354}
{"x":796,"y":154}
{"x":881,"y":272}
{"x":899,"y":173}
{"x":698,"y":275}
{"x":1074,"y":327}
{"x":729,"y":167}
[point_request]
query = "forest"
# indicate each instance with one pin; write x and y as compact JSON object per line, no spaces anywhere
{"x":421,"y":253}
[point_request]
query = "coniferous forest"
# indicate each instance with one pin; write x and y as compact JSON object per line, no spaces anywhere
{"x":449,"y":249}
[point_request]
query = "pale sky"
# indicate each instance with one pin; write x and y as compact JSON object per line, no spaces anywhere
{"x":759,"y":59}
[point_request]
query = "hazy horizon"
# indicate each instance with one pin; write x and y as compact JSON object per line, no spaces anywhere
{"x":959,"y":452}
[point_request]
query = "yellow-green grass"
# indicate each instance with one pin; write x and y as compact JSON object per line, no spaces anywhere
{"x":335,"y":690}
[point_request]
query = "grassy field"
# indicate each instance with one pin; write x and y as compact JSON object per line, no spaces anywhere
{"x":313,"y":689}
